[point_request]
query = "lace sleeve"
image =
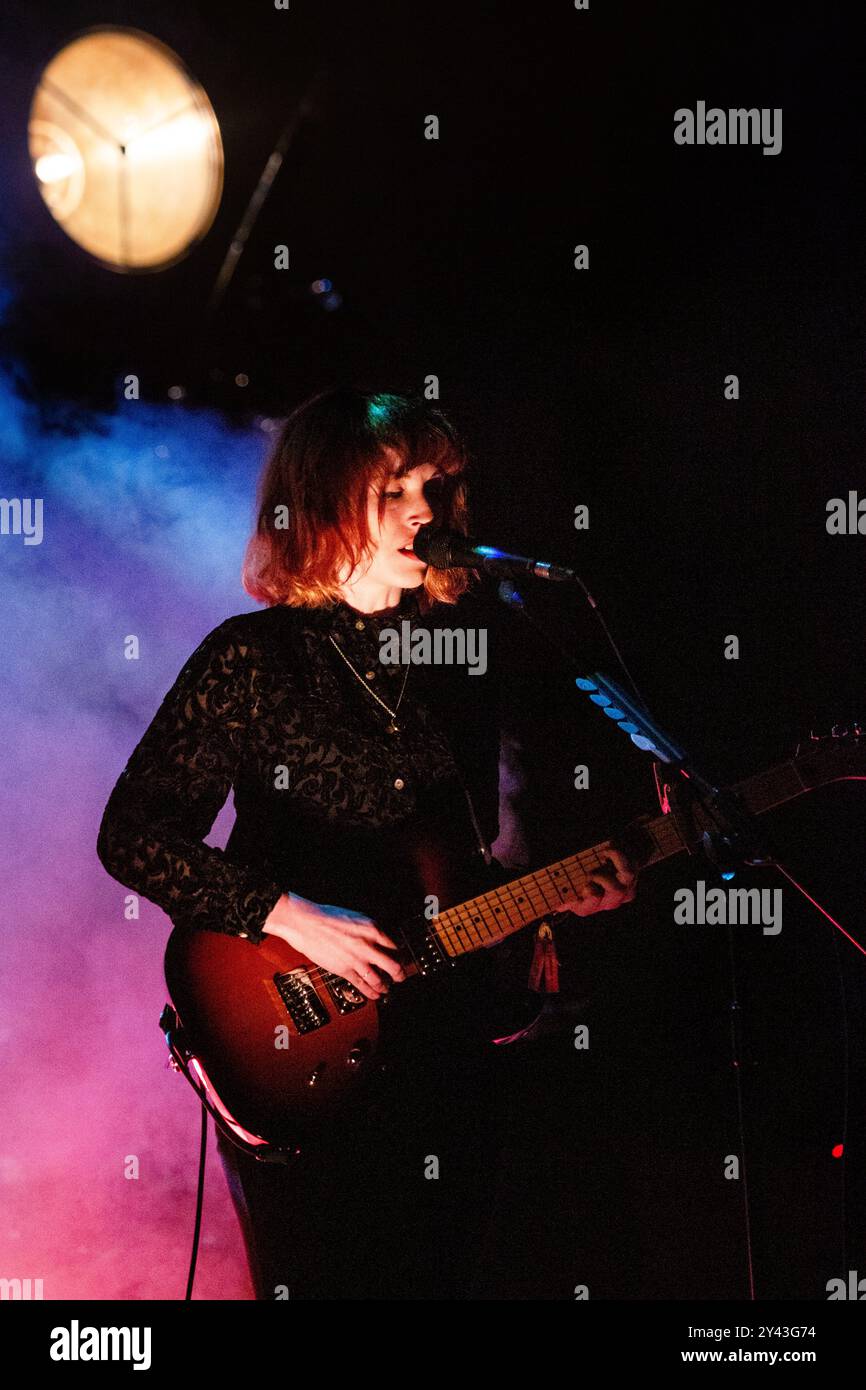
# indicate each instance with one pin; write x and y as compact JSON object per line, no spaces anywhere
{"x":171,"y":791}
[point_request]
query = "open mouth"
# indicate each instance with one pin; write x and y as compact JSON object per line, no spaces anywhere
{"x":407,"y":549}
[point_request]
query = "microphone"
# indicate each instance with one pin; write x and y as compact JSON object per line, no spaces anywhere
{"x":447,"y":550}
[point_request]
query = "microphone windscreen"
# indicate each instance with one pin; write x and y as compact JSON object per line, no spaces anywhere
{"x":434,"y":547}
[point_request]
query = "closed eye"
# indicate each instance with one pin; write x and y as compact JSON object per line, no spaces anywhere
{"x":434,"y":483}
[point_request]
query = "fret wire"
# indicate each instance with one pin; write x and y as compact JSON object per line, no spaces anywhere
{"x":574,"y":862}
{"x":457,"y":913}
{"x":534,"y":882}
{"x":664,"y":835}
{"x":593,"y":857}
{"x":458,"y":945}
{"x":574,"y":886}
{"x":538,"y":888}
{"x":563,"y":873}
{"x":454,"y":929}
{"x":533,"y":889}
{"x":446,"y":931}
{"x":488,"y":922}
{"x":503,"y":928}
{"x":481,"y":927}
{"x":509,"y":888}
{"x":495,"y":895}
{"x":526,"y":884}
{"x":523,"y":885}
{"x":554,"y":891}
{"x":466,"y":911}
{"x":569,"y":877}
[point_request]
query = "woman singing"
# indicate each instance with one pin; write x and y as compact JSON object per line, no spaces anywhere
{"x":340,"y":761}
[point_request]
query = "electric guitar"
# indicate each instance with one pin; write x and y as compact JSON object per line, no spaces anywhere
{"x":275,"y":1044}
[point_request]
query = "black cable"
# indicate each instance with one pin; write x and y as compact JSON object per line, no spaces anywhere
{"x":199,"y":1203}
{"x":508,"y":594}
{"x":737,"y":1056}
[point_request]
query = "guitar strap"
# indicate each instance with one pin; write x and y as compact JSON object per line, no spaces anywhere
{"x":483,"y":847}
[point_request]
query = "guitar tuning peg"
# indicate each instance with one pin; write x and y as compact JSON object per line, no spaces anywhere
{"x":857,"y":729}
{"x":815,"y":738}
{"x":839,"y":731}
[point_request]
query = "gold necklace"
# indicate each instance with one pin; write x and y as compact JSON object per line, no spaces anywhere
{"x":393,"y":727}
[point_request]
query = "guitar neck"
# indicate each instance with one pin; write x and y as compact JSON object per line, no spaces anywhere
{"x":492,"y":916}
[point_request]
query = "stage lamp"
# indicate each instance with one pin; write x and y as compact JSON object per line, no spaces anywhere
{"x":126,"y":149}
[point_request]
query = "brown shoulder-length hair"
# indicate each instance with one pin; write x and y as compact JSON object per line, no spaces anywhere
{"x":312,"y":495}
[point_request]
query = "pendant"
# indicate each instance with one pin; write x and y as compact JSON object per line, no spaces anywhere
{"x":392,"y":729}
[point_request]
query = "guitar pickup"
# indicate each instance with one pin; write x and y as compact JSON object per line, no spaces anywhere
{"x":345,"y":996}
{"x":304,"y":1006}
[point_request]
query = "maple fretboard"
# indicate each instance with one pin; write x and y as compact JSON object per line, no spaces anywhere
{"x":488,"y":919}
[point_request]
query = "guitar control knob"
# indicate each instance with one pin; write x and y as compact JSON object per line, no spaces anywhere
{"x":316,"y":1073}
{"x":358,"y":1054}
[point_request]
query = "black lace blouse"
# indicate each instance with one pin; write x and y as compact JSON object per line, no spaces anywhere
{"x":267,"y":707}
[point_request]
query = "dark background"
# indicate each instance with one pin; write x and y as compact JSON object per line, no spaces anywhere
{"x":605,"y":387}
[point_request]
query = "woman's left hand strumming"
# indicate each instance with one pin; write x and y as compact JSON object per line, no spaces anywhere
{"x":605,"y":889}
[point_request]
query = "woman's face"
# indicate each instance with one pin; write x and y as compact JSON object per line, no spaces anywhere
{"x":411,"y":501}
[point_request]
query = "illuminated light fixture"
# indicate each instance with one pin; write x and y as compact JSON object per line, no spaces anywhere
{"x":51,"y":168}
{"x":126,"y":149}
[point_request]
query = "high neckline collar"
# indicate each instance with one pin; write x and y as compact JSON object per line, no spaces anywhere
{"x":341,"y":617}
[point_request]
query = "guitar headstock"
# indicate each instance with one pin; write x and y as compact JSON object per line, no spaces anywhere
{"x":855,"y":731}
{"x":836,"y":756}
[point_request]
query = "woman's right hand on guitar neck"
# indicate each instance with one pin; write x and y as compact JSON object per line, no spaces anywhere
{"x":345,"y":942}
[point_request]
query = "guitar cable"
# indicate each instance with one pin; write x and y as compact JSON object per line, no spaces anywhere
{"x":199,"y":1203}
